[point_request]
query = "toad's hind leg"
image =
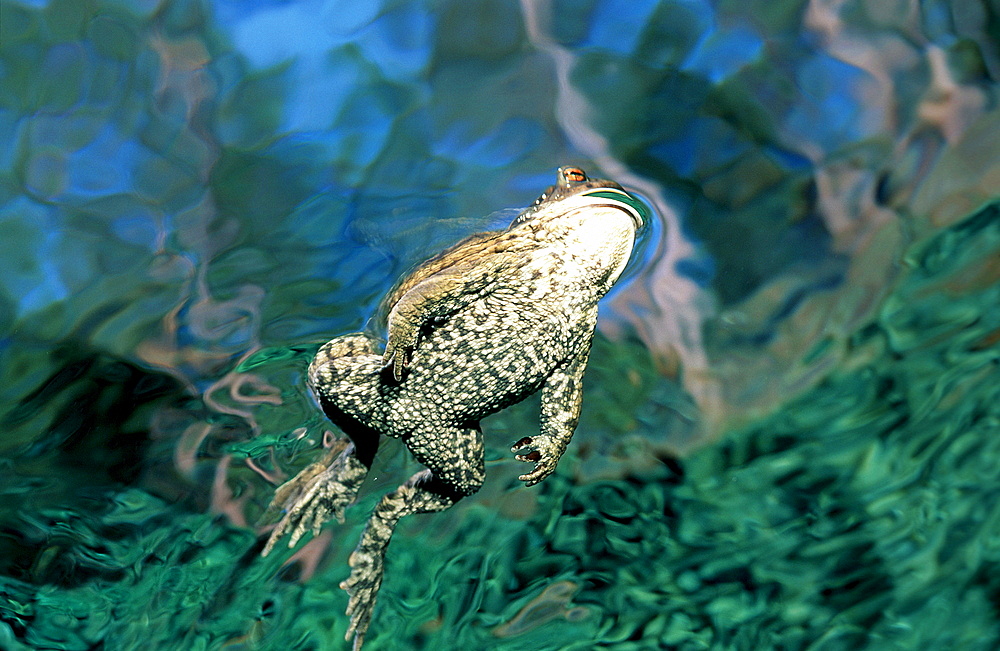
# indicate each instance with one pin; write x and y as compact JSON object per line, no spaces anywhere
{"x":454,"y":472}
{"x":323,"y":490}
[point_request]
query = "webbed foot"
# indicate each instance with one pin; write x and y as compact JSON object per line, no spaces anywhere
{"x":319,"y":493}
{"x":367,"y":570}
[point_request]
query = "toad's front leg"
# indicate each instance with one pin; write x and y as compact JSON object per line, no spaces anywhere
{"x":433,"y":294}
{"x":562,"y":396}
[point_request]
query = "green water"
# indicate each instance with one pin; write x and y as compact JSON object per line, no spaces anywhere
{"x":791,"y":427}
{"x":864,"y":514}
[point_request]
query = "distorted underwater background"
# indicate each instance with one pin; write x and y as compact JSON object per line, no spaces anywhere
{"x":791,"y":427}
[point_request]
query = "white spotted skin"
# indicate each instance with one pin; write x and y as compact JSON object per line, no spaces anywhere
{"x":480,"y":327}
{"x":529,"y":321}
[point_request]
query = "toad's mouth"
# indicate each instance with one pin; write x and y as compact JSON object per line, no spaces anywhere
{"x":640,"y":212}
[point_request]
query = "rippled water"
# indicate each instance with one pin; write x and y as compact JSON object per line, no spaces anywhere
{"x":790,"y":433}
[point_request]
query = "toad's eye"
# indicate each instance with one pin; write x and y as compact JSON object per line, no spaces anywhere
{"x":575,"y":174}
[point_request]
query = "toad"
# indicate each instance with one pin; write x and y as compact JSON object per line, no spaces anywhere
{"x":477,"y":328}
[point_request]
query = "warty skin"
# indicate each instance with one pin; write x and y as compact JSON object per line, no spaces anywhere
{"x":479,"y":327}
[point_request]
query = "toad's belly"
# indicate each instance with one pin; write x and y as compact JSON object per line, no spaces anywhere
{"x":484,"y":359}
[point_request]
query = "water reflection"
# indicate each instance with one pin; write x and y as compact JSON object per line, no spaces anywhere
{"x":195,"y":194}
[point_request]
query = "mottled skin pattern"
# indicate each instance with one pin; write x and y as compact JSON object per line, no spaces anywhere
{"x":480,"y":327}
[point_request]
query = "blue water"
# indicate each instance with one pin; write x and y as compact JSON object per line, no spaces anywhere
{"x":790,"y":428}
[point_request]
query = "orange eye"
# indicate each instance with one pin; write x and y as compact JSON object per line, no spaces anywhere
{"x":576,"y":175}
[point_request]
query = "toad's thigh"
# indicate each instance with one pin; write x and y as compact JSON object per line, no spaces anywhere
{"x":349,"y":387}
